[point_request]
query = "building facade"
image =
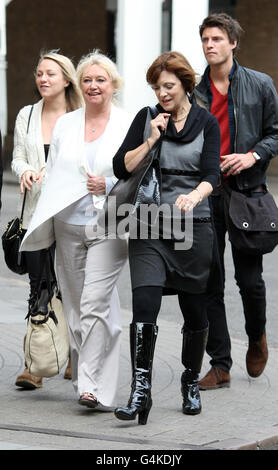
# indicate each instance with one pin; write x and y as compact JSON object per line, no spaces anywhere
{"x":132,"y":32}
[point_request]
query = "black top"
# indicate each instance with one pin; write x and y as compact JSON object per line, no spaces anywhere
{"x":46,"y":150}
{"x":198,"y":119}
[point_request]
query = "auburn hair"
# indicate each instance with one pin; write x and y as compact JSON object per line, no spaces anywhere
{"x":176,"y":63}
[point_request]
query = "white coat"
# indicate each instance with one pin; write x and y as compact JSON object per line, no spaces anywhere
{"x":67,"y":168}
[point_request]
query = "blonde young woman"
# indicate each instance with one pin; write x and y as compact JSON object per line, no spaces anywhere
{"x":79,"y":175}
{"x":56,"y":82}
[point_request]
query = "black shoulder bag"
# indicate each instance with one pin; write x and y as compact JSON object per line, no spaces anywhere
{"x":252,"y":221}
{"x":13,"y":236}
{"x":143,"y":186}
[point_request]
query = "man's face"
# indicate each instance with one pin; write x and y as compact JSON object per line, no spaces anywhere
{"x":216,"y":46}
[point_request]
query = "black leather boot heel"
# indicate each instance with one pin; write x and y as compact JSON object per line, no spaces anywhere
{"x":193,"y":349}
{"x":143,"y":415}
{"x":142,"y":344}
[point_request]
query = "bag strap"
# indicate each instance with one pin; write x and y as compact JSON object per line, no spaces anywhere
{"x":46,"y":263}
{"x":25,"y":192}
{"x":154,"y":112}
{"x":23,"y":204}
{"x":29,"y":119}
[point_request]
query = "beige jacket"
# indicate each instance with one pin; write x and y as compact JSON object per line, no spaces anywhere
{"x":28,"y":153}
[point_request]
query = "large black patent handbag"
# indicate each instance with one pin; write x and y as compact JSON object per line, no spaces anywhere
{"x":142,"y":187}
{"x":11,"y":241}
{"x":252,"y":221}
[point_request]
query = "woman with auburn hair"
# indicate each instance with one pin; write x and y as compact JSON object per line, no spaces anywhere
{"x":189,"y":161}
{"x":79,"y":175}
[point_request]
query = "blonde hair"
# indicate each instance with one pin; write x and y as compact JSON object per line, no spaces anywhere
{"x":96,"y":57}
{"x":73,"y":96}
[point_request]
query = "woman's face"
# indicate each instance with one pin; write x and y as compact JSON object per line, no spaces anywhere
{"x":169,"y":91}
{"x":97,"y":87}
{"x":50,"y":80}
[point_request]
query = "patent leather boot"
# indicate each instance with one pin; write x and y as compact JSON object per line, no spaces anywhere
{"x":142,"y":343}
{"x":193,"y":349}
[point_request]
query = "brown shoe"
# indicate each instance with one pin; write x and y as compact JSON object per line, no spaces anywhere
{"x":28,"y":381}
{"x":215,"y":378}
{"x":67,"y":374}
{"x":256,"y":357}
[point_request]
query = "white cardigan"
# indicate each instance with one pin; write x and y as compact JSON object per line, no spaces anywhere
{"x":28,"y":153}
{"x":67,"y":168}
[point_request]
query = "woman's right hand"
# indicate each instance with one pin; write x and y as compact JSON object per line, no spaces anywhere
{"x":27,"y":179}
{"x":158,"y":125}
{"x":134,"y":157}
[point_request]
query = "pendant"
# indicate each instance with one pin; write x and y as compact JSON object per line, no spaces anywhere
{"x":93,"y":129}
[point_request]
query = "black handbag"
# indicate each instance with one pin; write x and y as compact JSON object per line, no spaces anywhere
{"x":143,"y":186}
{"x":11,"y":241}
{"x":252,"y":221}
{"x":13,"y":236}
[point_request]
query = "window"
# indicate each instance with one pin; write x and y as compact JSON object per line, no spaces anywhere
{"x":223,"y":6}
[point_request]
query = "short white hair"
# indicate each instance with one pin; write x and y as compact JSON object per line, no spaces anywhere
{"x":96,"y":57}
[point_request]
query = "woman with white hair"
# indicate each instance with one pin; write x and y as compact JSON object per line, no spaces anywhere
{"x":79,"y":176}
{"x":56,"y":82}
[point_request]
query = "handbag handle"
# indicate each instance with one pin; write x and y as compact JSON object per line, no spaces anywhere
{"x":154,"y":112}
{"x":47,"y":262}
{"x":23,"y":205}
{"x":25,"y":192}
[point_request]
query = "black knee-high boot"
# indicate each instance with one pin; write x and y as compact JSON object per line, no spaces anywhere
{"x":142,"y":344}
{"x":193,"y":349}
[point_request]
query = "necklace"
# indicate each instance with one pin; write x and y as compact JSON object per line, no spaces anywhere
{"x":183,"y":117}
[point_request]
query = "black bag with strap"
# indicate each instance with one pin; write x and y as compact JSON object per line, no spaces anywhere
{"x":252,"y":220}
{"x":13,"y":236}
{"x":143,"y":186}
{"x":11,"y":241}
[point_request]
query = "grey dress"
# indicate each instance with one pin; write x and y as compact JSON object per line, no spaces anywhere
{"x":186,"y":159}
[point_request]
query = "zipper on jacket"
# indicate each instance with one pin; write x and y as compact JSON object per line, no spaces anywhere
{"x":235,"y":117}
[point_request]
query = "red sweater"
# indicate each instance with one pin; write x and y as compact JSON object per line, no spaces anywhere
{"x":219,"y":108}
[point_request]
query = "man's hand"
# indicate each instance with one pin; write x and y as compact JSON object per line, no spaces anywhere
{"x":234,"y":163}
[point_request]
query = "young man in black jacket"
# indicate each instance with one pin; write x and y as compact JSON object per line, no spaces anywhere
{"x":245,"y":103}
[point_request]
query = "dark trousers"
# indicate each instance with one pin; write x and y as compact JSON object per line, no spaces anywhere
{"x":146,"y":302}
{"x":33,"y":262}
{"x":248,"y":276}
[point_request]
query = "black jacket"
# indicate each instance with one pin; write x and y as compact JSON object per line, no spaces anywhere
{"x":1,"y":168}
{"x":255,"y":104}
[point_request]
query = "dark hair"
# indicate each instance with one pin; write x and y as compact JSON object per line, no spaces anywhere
{"x":226,"y":23}
{"x":176,"y":63}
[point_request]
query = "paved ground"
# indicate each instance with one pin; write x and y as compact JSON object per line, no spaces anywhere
{"x":242,"y":417}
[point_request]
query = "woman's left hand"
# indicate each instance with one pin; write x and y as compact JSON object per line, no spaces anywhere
{"x":186,"y":202}
{"x":96,"y":184}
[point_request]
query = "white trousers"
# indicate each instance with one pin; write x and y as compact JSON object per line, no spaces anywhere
{"x":87,"y":271}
